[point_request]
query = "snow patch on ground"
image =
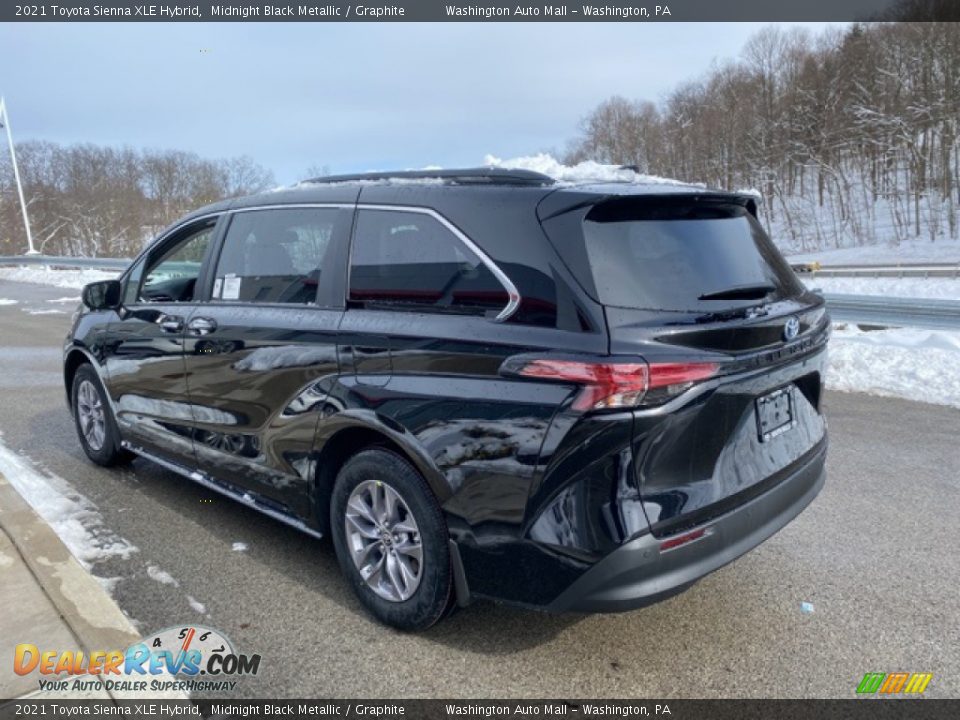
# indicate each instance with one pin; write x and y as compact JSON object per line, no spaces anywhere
{"x":64,"y":278}
{"x":912,"y":251}
{"x":161,"y":576}
{"x":937,"y":288}
{"x":7,"y":301}
{"x":588,"y":171}
{"x":239,"y":547}
{"x":921,"y":365}
{"x":109,"y":584}
{"x":68,"y":299}
{"x":44,"y":312}
{"x":197,"y":605}
{"x":72,"y":516}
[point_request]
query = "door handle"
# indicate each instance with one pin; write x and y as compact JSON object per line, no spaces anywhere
{"x":202,"y":326}
{"x":170,"y":323}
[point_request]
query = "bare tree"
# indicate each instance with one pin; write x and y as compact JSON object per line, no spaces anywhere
{"x":94,"y":200}
{"x":852,"y":135}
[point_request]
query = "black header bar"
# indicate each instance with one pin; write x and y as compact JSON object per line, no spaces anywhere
{"x":861,"y":709}
{"x":481,"y":11}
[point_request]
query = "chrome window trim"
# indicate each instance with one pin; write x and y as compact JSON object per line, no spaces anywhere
{"x":226,"y":211}
{"x":160,"y":239}
{"x":124,"y":276}
{"x":284,"y":206}
{"x":279,"y":206}
{"x":512,"y":293}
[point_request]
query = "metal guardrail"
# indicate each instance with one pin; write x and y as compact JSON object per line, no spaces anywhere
{"x":864,"y":309}
{"x":896,"y":312}
{"x":901,"y":270}
{"x":68,"y":262}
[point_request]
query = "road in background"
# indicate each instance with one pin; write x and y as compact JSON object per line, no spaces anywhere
{"x":876,"y":554}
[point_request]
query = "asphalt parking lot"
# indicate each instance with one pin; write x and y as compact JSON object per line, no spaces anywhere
{"x":876,"y":555}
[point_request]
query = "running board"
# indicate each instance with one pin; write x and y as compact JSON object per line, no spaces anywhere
{"x":241,"y":496}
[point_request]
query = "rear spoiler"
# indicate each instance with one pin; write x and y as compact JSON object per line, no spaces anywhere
{"x":564,"y":200}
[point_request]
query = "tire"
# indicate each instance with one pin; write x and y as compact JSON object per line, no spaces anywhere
{"x":393,"y":595}
{"x":89,"y":402}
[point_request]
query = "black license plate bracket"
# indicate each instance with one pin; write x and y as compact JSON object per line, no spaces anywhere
{"x":775,"y":413}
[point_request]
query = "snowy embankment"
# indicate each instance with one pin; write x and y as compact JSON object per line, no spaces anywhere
{"x":907,"y":252}
{"x":921,"y":365}
{"x":66,"y":278}
{"x":936,"y":288}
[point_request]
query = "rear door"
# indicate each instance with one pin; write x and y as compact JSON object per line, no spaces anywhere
{"x":144,"y":352}
{"x":430,"y":320}
{"x":261,"y":350}
{"x":696,"y":286}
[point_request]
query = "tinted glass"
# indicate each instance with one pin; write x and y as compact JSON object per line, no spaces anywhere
{"x":412,"y":259}
{"x":274,"y":256}
{"x":675,"y":257}
{"x":172,"y":275}
{"x":131,"y":291}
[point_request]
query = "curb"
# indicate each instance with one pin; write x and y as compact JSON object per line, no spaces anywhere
{"x":93,"y":617}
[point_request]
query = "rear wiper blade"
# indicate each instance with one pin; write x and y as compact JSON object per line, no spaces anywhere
{"x":740,"y":292}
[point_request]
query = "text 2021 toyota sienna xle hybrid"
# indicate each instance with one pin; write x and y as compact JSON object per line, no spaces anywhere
{"x":479,"y":383}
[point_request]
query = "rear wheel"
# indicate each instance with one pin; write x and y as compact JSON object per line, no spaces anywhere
{"x":391,"y":540}
{"x":96,"y":426}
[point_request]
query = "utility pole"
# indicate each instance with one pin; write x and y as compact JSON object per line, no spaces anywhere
{"x":5,"y":122}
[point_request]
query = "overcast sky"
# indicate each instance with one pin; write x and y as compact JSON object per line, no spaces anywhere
{"x":351,"y":97}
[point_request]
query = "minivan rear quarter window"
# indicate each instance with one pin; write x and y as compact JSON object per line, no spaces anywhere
{"x":407,"y":259}
{"x":682,"y":256}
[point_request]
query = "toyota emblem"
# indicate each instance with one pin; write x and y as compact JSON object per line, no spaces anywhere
{"x":791,"y":329}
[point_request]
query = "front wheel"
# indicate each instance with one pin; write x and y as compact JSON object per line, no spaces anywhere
{"x":96,"y":426}
{"x":391,"y":540}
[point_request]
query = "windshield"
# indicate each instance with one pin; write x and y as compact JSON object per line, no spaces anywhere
{"x":683,"y":257}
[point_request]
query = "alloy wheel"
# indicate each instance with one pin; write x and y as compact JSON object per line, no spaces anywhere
{"x":384,"y":540}
{"x":91,"y":415}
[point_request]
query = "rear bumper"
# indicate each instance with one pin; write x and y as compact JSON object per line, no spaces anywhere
{"x":639,"y":574}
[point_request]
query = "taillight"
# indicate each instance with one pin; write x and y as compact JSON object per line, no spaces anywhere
{"x":607,"y":385}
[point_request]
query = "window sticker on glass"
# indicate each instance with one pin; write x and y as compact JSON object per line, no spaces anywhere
{"x":216,"y":287}
{"x":231,"y":287}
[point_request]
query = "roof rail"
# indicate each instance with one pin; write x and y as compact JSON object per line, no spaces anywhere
{"x":461,"y":176}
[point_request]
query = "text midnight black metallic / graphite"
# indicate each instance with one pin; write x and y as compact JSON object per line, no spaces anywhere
{"x":478,"y":383}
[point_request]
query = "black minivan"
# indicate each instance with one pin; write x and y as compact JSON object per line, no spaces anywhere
{"x":479,"y":383}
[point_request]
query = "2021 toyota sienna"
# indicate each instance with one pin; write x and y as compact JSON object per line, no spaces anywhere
{"x":479,"y":383}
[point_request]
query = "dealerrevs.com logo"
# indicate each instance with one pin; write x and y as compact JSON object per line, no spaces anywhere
{"x":186,"y":659}
{"x":894,"y":683}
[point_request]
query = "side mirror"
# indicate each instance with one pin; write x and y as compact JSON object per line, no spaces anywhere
{"x":103,"y":295}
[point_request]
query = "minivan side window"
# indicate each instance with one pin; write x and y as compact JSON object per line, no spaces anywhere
{"x":404,"y":259}
{"x":274,"y":256}
{"x":171,"y":275}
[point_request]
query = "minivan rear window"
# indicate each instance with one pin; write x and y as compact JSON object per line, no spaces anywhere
{"x":683,"y":257}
